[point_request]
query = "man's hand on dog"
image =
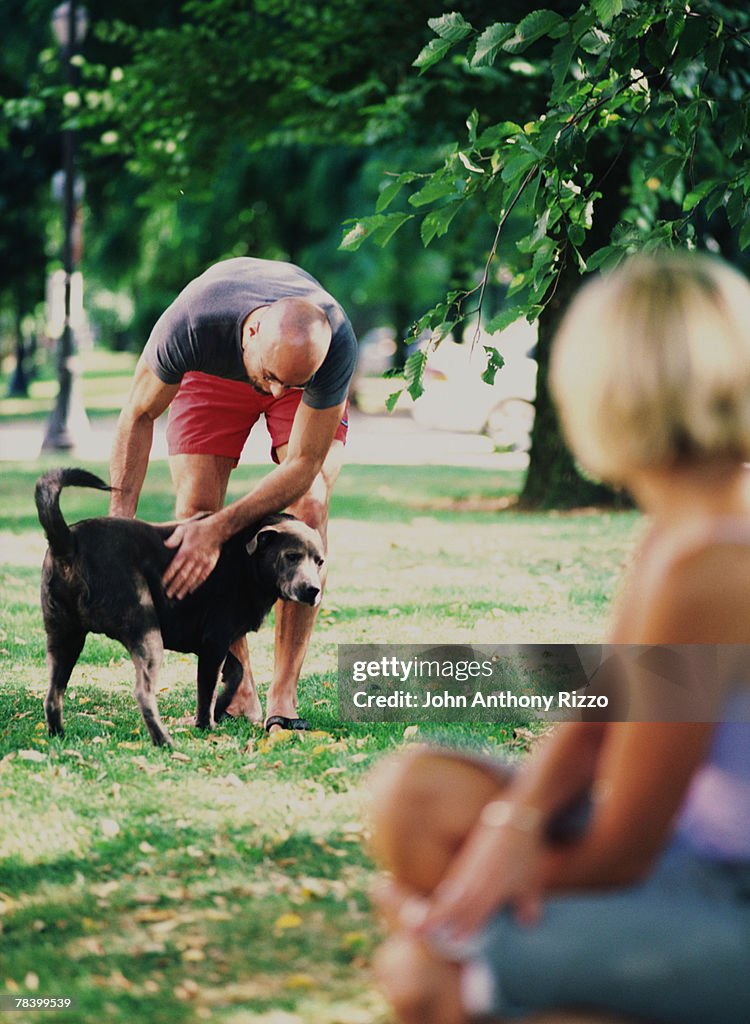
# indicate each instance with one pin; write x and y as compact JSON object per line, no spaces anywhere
{"x":199,"y":544}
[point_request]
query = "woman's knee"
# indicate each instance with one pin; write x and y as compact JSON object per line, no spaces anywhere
{"x":423,"y":803}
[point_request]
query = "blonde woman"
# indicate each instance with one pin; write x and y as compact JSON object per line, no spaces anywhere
{"x":609,"y":879}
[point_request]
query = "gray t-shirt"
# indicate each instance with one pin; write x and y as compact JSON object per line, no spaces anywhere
{"x":201,"y":330}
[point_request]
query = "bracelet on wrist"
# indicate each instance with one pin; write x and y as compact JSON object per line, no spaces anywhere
{"x":504,"y":813}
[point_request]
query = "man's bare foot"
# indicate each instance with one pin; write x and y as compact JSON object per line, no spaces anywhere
{"x":246,"y":702}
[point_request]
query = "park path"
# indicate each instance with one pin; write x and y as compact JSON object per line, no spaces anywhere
{"x":392,"y":440}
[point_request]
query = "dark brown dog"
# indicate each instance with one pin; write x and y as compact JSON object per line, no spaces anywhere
{"x":104,"y":575}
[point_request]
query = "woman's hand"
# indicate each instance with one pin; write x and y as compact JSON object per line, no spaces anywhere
{"x":499,"y":865}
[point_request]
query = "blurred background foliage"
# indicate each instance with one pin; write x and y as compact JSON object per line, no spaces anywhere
{"x":216,"y":128}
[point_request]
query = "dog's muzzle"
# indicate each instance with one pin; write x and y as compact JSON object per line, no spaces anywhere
{"x":307,"y":593}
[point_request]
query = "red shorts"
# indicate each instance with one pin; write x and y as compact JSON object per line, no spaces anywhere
{"x":213,"y":416}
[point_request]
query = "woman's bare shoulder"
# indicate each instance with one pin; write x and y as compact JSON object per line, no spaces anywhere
{"x":690,"y":587}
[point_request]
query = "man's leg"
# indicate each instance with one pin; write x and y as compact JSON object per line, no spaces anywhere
{"x":200,"y":482}
{"x":294,"y":622}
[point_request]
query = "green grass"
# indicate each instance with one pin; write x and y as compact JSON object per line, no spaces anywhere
{"x":227,"y":880}
{"x":105,"y":381}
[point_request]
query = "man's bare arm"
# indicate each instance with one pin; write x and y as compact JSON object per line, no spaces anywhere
{"x":148,"y":399}
{"x":310,"y":441}
{"x":200,"y":541}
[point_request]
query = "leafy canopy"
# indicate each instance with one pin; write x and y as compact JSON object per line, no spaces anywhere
{"x":661,"y":89}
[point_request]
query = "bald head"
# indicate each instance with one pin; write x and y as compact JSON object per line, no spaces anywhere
{"x":287,"y":342}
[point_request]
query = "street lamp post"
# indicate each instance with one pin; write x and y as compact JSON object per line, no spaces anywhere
{"x":69,"y":24}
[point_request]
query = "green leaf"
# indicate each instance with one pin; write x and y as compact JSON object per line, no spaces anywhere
{"x":495,"y":362}
{"x":531,"y":28}
{"x":450,"y":26}
{"x":436,"y":223}
{"x":381,"y":226}
{"x":594,"y":41}
{"x":390,"y":223}
{"x":716,"y":200}
{"x":414,"y":373}
{"x":518,"y":165}
{"x":392,"y":189}
{"x":496,"y":133}
{"x":736,"y":208}
{"x":606,"y":10}
{"x":471,"y":123}
{"x":505,"y":317}
{"x":699,"y":193}
{"x":562,"y":58}
{"x":439,"y":185}
{"x":490,"y":43}
{"x":392,"y":399}
{"x":435,"y":50}
{"x":354,"y":236}
{"x":745,"y":235}
{"x":605,"y":258}
{"x":577,"y":234}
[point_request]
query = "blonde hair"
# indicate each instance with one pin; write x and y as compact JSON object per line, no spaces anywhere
{"x":651,"y":365}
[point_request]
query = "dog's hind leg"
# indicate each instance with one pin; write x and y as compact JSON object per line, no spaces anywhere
{"x":147,"y":653}
{"x":209,"y":663}
{"x":62,"y":654}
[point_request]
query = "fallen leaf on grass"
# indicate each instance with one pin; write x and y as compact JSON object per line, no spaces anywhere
{"x":7,"y":903}
{"x":149,"y":767}
{"x":109,"y":827}
{"x":177,"y":756}
{"x":152,"y":915}
{"x":186,"y":990}
{"x":295,"y":981}
{"x":118,"y":980}
{"x":232,"y":780}
{"x":105,"y":889}
{"x":193,"y":955}
{"x":287,"y":921}
{"x":32,"y":755}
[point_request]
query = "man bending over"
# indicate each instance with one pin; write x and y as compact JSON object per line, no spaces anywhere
{"x":249,"y":336}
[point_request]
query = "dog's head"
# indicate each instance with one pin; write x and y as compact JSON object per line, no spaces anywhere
{"x":293,"y":553}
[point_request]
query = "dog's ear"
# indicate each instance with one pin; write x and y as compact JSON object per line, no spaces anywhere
{"x":252,"y":545}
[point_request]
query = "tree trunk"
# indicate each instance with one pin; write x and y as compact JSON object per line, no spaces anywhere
{"x":553,"y":480}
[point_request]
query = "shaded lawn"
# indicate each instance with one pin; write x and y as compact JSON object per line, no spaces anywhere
{"x":227,"y":880}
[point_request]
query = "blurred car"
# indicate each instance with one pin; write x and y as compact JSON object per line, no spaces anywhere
{"x":376,"y":353}
{"x":456,"y":398}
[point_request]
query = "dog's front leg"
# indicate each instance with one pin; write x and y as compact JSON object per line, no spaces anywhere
{"x":209,"y":663}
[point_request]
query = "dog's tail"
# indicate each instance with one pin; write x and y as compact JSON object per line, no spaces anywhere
{"x":47,"y":497}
